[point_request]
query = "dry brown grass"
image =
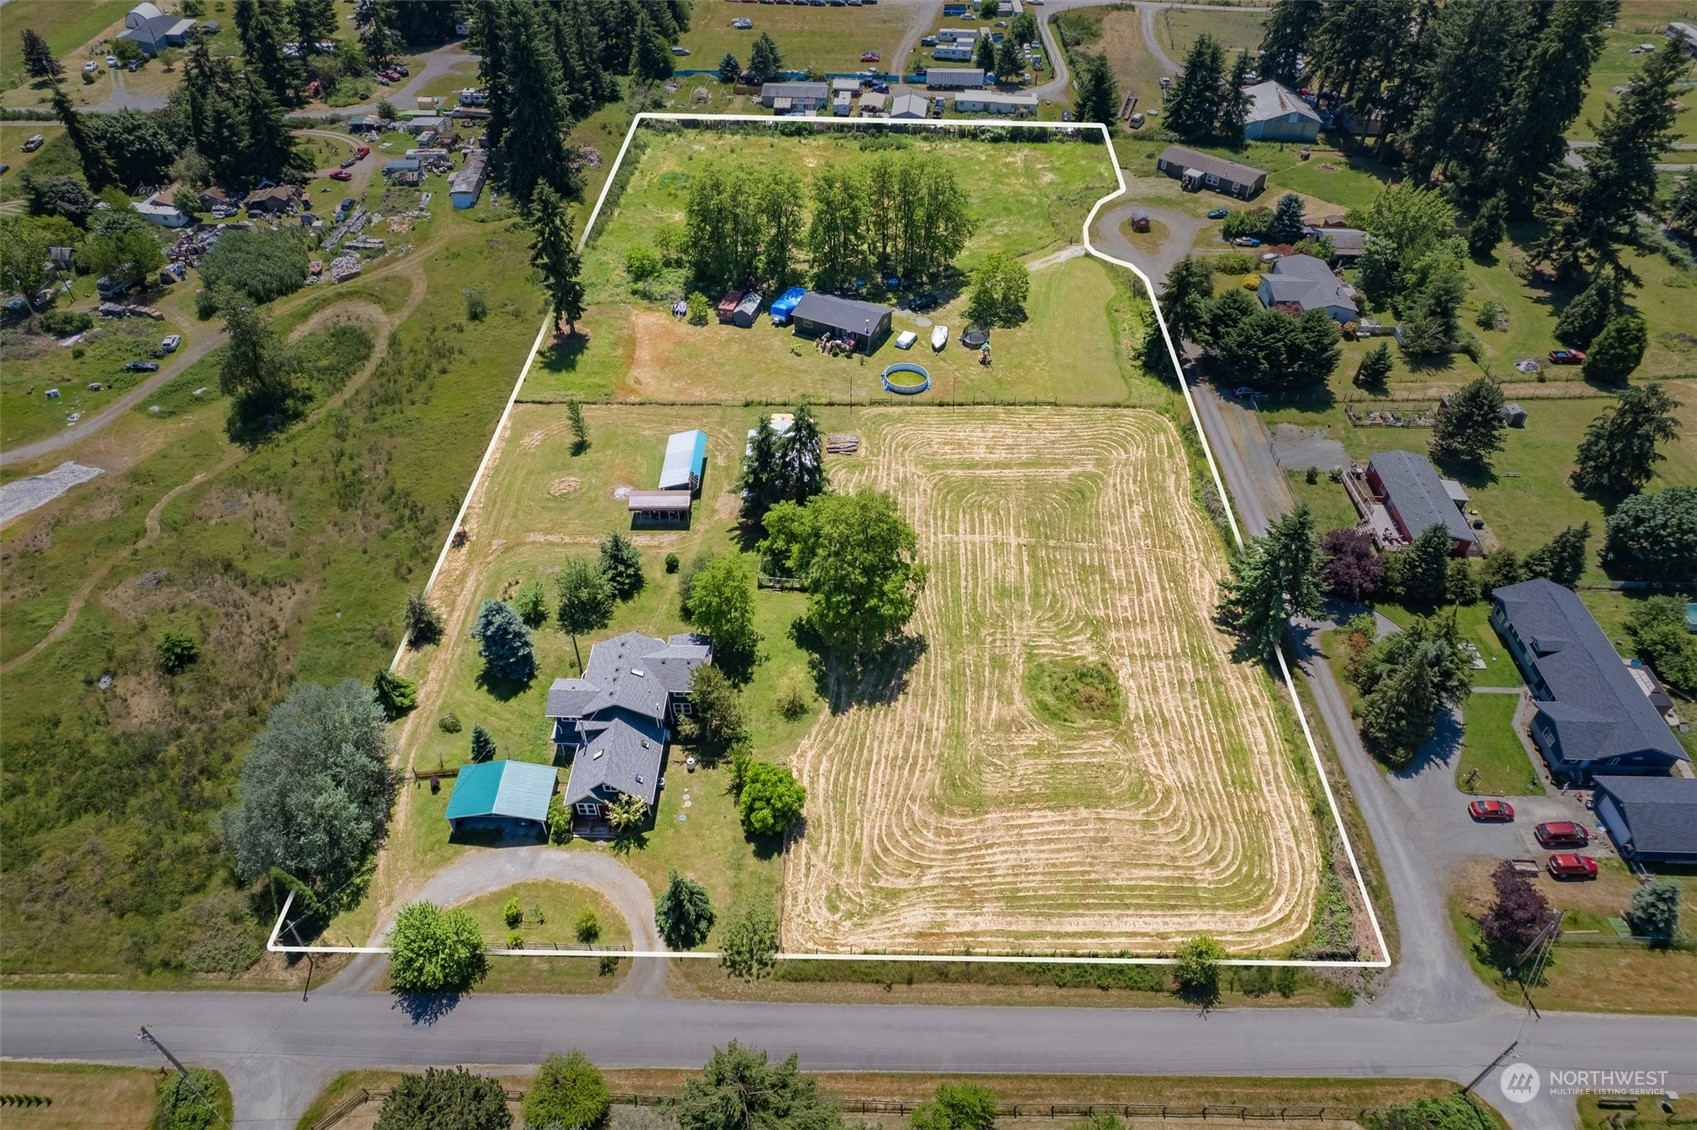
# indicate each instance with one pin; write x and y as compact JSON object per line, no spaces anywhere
{"x":83,"y":1095}
{"x":956,"y":816}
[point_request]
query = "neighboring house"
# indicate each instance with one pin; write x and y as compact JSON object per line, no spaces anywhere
{"x":1278,"y":113}
{"x":953,"y":52}
{"x":794,"y":97}
{"x":615,"y":721}
{"x":842,"y":104}
{"x":1347,"y":242}
{"x":1650,"y":819}
{"x":872,"y":104}
{"x":994,"y":102}
{"x":910,"y":106}
{"x":1309,"y":284}
{"x":864,"y":323}
{"x":402,"y":165}
{"x":1416,"y":499}
{"x":216,"y":197}
{"x":502,"y":796}
{"x":165,"y":215}
{"x":686,"y":461}
{"x":1196,"y":171}
{"x":465,"y":185}
{"x":954,"y":78}
{"x":153,"y":31}
{"x":425,"y":123}
{"x":274,"y":200}
{"x":1590,"y":716}
{"x":848,"y":86}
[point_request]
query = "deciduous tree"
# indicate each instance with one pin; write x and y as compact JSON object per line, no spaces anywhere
{"x":432,"y":950}
{"x":1197,"y":974}
{"x":1657,"y":627}
{"x":568,"y":1091}
{"x":621,"y":564}
{"x":315,"y":786}
{"x":1353,"y":569}
{"x":683,"y":912}
{"x":1517,"y":915}
{"x":258,"y":371}
{"x":748,"y":943}
{"x":957,"y":1106}
{"x":770,"y":800}
{"x":586,"y":600}
{"x":722,"y":608}
{"x":1653,"y":536}
{"x":1000,"y":284}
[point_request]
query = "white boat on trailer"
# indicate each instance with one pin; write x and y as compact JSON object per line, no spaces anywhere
{"x":939,"y":338}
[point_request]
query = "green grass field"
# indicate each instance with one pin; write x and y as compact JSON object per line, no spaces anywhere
{"x":1491,"y":747}
{"x":1179,"y":28}
{"x":827,"y":39}
{"x":1638,"y":23}
{"x":1020,"y":828}
{"x":551,"y":912}
{"x":66,"y":25}
{"x":292,"y":562}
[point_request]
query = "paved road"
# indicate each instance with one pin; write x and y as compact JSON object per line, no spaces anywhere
{"x":262,"y":1039}
{"x":205,"y":341}
{"x":1182,"y":231}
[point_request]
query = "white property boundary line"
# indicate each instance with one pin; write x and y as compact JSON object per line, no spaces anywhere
{"x":1382,"y":962}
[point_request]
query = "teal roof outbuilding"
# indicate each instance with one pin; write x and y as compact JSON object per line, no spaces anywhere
{"x":517,"y":789}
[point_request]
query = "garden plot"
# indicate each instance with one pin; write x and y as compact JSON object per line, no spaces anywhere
{"x":1074,"y":763}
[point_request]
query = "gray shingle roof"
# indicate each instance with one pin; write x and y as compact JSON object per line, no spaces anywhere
{"x":1270,"y":101}
{"x":1309,"y":283}
{"x":1598,"y":708}
{"x":1660,"y":812}
{"x":847,"y":314}
{"x":1418,"y":494}
{"x":1207,"y":163}
{"x":623,"y":755}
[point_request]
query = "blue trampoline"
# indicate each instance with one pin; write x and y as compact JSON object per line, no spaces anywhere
{"x":914,"y":389}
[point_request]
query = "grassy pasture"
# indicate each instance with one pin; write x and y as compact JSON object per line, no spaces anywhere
{"x":66,"y":25}
{"x":1022,"y":827}
{"x":1178,"y":29}
{"x":87,"y":1094}
{"x":827,"y":39}
{"x":30,"y":364}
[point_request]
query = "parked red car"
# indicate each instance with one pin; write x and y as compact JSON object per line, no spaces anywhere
{"x":1491,"y":810}
{"x":362,"y":152}
{"x":1566,"y":357}
{"x":870,"y":56}
{"x":340,"y":174}
{"x":1562,"y":833}
{"x":1571,"y":867}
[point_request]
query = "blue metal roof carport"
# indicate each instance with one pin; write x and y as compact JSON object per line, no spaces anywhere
{"x":686,"y":461}
{"x":492,"y":791}
{"x":784,"y":305}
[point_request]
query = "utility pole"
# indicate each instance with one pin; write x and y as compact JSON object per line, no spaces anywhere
{"x":144,"y":1034}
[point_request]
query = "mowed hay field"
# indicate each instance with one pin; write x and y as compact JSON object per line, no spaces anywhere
{"x":963,"y":813}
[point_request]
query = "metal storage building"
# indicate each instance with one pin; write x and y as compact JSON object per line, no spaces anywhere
{"x":502,"y":796}
{"x":686,"y":461}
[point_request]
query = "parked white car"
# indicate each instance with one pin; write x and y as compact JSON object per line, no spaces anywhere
{"x":171,"y":342}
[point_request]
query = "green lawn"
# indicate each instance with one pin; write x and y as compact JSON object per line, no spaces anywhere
{"x":1179,"y":28}
{"x":1327,"y":500}
{"x":829,"y":39}
{"x":550,"y":916}
{"x":1638,"y":23}
{"x":66,"y":25}
{"x":1493,"y":749}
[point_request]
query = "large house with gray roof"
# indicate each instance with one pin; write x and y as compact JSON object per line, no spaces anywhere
{"x":1590,"y":716}
{"x":1650,"y":819}
{"x":1301,"y":283}
{"x":1416,"y":499}
{"x":613,"y":723}
{"x":1278,"y":113}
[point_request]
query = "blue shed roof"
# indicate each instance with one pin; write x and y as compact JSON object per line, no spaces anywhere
{"x":686,"y":458}
{"x":784,"y":304}
{"x":520,"y":789}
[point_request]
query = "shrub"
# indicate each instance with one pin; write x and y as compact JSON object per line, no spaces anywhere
{"x":569,"y":1092}
{"x":1654,"y":911}
{"x":794,"y":698}
{"x":432,"y":950}
{"x":559,"y":821}
{"x":515,"y":940}
{"x":749,"y":940}
{"x":699,"y":308}
{"x":176,"y":650}
{"x":64,"y":323}
{"x":449,"y":723}
{"x":512,"y":913}
{"x":259,"y":264}
{"x":531,"y":605}
{"x":78,"y":353}
{"x":587,"y":929}
{"x":1232,"y":263}
{"x":643,"y":263}
{"x":671,"y":563}
{"x":187,"y":1102}
{"x":445,"y":1100}
{"x":476,"y":305}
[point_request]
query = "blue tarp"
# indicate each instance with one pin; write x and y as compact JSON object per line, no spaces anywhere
{"x":784,"y":305}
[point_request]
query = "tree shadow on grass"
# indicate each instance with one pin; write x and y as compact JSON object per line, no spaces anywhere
{"x":771,"y":847}
{"x":1204,"y":996}
{"x":502,"y":690}
{"x":878,"y":681}
{"x":426,"y":1008}
{"x":1441,"y":751}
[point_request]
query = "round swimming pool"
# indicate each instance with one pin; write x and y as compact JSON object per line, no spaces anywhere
{"x":913,"y":389}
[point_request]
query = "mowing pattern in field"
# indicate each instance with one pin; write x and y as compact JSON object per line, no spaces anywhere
{"x":956,"y":816}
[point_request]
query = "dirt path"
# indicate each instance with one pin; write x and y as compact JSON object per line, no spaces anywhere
{"x":482,"y":870}
{"x":382,"y":325}
{"x":1061,"y":256}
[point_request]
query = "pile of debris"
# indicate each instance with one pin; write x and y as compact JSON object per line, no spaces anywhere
{"x":344,"y":267}
{"x":128,"y":310}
